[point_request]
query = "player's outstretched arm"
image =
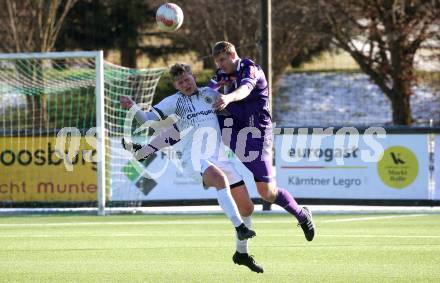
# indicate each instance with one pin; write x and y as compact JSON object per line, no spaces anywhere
{"x":141,"y":116}
{"x":238,"y":94}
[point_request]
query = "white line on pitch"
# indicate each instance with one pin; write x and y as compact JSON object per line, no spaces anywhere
{"x":130,"y":223}
{"x":192,"y":222}
{"x":192,"y":235}
{"x":114,"y":223}
{"x":371,"y":218}
{"x":379,"y":236}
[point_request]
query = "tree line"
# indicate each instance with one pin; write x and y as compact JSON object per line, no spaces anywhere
{"x":382,"y":36}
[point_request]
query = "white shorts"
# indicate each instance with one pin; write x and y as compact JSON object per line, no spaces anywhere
{"x":194,"y":166}
{"x":226,"y":167}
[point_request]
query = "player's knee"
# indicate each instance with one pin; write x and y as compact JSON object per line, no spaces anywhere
{"x":267,"y":192}
{"x":215,"y":178}
{"x":265,"y":195}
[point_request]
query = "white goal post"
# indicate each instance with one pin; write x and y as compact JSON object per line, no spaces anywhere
{"x":42,"y":95}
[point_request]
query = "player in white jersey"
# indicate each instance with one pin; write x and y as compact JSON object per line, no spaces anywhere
{"x":198,"y":129}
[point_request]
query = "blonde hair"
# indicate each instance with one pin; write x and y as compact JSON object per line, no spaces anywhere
{"x":179,"y":69}
{"x":223,"y":47}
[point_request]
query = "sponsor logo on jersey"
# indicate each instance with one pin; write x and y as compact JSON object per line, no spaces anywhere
{"x":193,"y":115}
{"x":208,"y":99}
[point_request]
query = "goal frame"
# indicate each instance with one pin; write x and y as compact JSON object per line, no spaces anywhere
{"x":98,"y":56}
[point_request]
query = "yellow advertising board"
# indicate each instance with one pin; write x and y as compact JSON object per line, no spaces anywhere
{"x":33,"y":170}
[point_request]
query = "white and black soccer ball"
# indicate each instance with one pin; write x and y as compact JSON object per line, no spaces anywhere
{"x":169,"y":17}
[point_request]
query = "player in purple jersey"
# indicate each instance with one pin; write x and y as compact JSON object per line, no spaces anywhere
{"x":248,"y":129}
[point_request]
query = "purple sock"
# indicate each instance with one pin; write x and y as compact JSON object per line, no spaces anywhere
{"x":286,"y":201}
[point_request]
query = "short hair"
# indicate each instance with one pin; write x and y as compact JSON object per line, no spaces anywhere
{"x":223,"y":47}
{"x":179,"y":69}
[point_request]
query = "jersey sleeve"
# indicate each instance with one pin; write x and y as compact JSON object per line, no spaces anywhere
{"x":165,"y":108}
{"x":250,"y":76}
{"x":212,"y":93}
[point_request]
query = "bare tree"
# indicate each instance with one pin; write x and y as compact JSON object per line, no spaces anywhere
{"x":32,"y":26}
{"x":383,"y":36}
{"x":293,"y":29}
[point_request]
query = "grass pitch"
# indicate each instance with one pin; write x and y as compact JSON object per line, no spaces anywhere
{"x":176,"y":248}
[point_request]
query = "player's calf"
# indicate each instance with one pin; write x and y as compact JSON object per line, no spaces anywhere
{"x":242,"y":199}
{"x":214,"y":177}
{"x":134,"y":148}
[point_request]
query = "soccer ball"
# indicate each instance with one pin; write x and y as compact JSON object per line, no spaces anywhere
{"x":169,"y":17}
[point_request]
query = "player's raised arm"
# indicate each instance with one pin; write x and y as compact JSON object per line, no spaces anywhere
{"x":238,"y":94}
{"x":141,"y":116}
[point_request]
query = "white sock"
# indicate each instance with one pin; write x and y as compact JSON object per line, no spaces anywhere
{"x":228,"y":205}
{"x":242,"y":246}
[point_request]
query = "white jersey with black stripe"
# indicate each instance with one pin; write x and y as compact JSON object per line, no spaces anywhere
{"x":191,"y":111}
{"x":201,"y":140}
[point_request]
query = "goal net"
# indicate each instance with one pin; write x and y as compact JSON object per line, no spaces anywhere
{"x":60,"y":119}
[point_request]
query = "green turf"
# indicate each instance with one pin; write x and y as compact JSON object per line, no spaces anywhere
{"x":136,"y":248}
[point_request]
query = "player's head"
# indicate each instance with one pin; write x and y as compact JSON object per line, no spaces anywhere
{"x":183,"y":78}
{"x":225,"y":56}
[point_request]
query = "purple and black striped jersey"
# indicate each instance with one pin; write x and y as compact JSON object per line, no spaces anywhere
{"x":252,"y":111}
